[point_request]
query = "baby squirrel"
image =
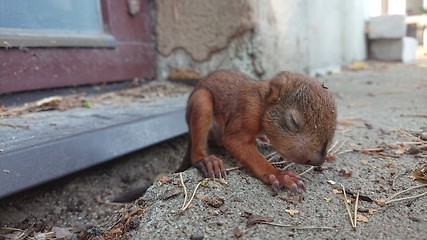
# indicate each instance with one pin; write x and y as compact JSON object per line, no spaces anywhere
{"x":226,"y":108}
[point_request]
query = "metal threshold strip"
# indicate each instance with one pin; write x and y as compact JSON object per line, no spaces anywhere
{"x":25,"y":168}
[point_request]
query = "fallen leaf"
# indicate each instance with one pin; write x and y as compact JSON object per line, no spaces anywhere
{"x":214,"y":201}
{"x":98,"y":199}
{"x":292,"y":212}
{"x":163,"y":178}
{"x":372,"y":210}
{"x":336,"y":191}
{"x":330,"y":157}
{"x":331,"y":182}
{"x":367,"y":210}
{"x":289,"y":200}
{"x":237,"y":232}
{"x":345,"y":173}
{"x":380,"y":202}
{"x":87,"y":104}
{"x":327,"y":199}
{"x":357,"y":65}
{"x":400,"y":149}
{"x":49,"y":101}
{"x":420,"y":174}
{"x":361,"y":218}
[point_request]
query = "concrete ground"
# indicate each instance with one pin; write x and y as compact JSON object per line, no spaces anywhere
{"x":382,"y":113}
{"x":382,"y":110}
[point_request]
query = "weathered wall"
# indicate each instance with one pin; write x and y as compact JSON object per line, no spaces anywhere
{"x":259,"y":38}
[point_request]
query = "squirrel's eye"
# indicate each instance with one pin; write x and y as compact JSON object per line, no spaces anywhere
{"x":292,"y":122}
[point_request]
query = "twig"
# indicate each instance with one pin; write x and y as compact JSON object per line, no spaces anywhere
{"x":404,"y":191}
{"x":233,"y":168}
{"x":415,"y":115}
{"x":355,"y":209}
{"x":279,"y":163}
{"x":288,"y":166}
{"x":340,"y":146}
{"x":185,"y":190}
{"x":14,"y":125}
{"x":270,"y":156}
{"x":421,"y":142}
{"x":306,"y":171}
{"x":348,"y":207}
{"x":192,"y":197}
{"x":388,"y":155}
{"x":369,"y":150}
{"x":332,"y":147}
{"x":395,"y":178}
{"x":412,"y":136}
{"x":11,"y":229}
{"x":296,"y":227}
{"x":405,"y":198}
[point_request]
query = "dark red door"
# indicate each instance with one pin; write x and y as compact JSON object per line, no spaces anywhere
{"x":123,"y":50}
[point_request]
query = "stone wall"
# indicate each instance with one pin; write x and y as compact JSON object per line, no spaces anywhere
{"x":259,"y":38}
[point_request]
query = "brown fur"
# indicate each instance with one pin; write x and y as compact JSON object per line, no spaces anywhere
{"x":297,"y":114}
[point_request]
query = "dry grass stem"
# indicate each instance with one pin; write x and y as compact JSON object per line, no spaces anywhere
{"x":411,"y":136}
{"x":306,"y":171}
{"x":415,"y":115}
{"x":348,"y":208}
{"x":14,"y":125}
{"x":389,"y":200}
{"x":192,"y":197}
{"x":296,"y":227}
{"x":233,"y":168}
{"x":279,"y":163}
{"x":333,"y":146}
{"x":185,"y":190}
{"x":355,"y":209}
{"x":339,"y":147}
{"x":405,"y":198}
{"x":288,"y":166}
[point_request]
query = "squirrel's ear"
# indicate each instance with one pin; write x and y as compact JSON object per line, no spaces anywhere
{"x":277,"y":88}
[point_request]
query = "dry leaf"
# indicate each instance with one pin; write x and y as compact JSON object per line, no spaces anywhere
{"x":214,"y":201}
{"x":345,"y":173}
{"x":400,"y":149}
{"x":289,"y":200}
{"x":367,"y":210}
{"x":331,"y":182}
{"x":49,"y":101}
{"x":357,"y":65}
{"x":420,"y":174}
{"x":237,"y":232}
{"x":361,"y":218}
{"x":336,"y":191}
{"x":330,"y":157}
{"x":372,"y":210}
{"x":380,"y":202}
{"x":292,"y":212}
{"x":98,"y":199}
